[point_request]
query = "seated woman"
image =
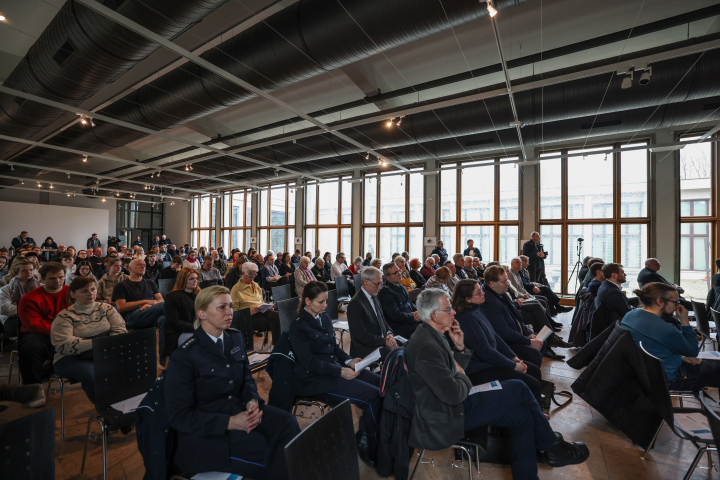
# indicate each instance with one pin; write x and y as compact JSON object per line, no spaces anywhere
{"x":356,"y":266}
{"x":235,"y":272}
{"x":440,"y":280}
{"x":327,"y":258}
{"x":303,"y":275}
{"x":270,"y":275}
{"x":324,"y":371}
{"x":405,"y":279}
{"x":428,"y":270}
{"x":82,"y":269}
{"x":74,"y":328}
{"x":180,"y":309}
{"x":248,"y":294}
{"x":213,"y":402}
{"x":286,"y":267}
{"x":191,"y":261}
{"x":492,"y":359}
{"x":377,"y":263}
{"x":415,"y":273}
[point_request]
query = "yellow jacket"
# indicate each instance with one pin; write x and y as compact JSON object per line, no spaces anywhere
{"x":246,"y":296}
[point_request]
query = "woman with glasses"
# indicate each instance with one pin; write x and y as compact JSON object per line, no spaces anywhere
{"x":248,"y":294}
{"x":303,"y":275}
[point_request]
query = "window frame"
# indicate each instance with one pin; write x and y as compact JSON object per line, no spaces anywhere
{"x":227,"y":230}
{"x":264,"y":230}
{"x":315,"y":226}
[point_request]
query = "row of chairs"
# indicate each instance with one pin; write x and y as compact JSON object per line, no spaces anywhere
{"x":703,"y":325}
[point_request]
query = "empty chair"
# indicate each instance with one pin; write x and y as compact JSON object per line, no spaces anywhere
{"x":343,"y":291}
{"x":357,"y":281}
{"x":326,"y":450}
{"x":28,"y":447}
{"x":242,"y":321}
{"x":281,"y":293}
{"x":332,"y":311}
{"x":703,"y":325}
{"x":165,"y":285}
{"x":287,"y":309}
{"x":713,"y":422}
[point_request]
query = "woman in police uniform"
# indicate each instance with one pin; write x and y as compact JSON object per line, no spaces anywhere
{"x":212,"y":400}
{"x":324,"y":371}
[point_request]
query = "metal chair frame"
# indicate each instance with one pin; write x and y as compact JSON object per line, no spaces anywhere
{"x":452,"y":464}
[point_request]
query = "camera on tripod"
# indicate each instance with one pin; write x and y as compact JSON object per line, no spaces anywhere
{"x":580,"y":239}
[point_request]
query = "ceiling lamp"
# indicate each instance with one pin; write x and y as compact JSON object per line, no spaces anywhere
{"x":2,"y":18}
{"x":399,"y":121}
{"x":645,"y":77}
{"x":491,"y":10}
{"x":85,"y":159}
{"x":103,"y":199}
{"x":627,"y":81}
{"x":389,"y":123}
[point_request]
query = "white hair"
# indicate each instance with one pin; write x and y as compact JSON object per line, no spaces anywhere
{"x":429,"y":301}
{"x":304,"y":259}
{"x":370,"y":274}
{"x":270,"y":252}
{"x":249,"y":267}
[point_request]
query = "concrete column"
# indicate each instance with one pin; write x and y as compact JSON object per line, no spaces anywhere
{"x":254,"y":217}
{"x":219,"y":211}
{"x":356,"y":216}
{"x":529,"y":200}
{"x":664,"y":208}
{"x":431,"y":210}
{"x":299,"y":217}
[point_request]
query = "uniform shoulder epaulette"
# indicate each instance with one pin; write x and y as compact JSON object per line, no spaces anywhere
{"x":234,"y":330}
{"x":189,"y":342}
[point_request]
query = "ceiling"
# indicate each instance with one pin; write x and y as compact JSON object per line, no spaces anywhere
{"x":533,"y":27}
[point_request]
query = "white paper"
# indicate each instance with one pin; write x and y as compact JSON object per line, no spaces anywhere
{"x":216,"y":476}
{"x":402,"y":339}
{"x":486,"y":387}
{"x":694,"y":423}
{"x":265,"y":306}
{"x":341,"y":325}
{"x":544,"y":334}
{"x":368,"y":360}
{"x":709,"y":355}
{"x":129,"y":405}
{"x":257,"y":357}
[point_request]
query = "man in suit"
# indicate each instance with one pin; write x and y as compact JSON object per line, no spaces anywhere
{"x":472,"y":251}
{"x":368,"y":328}
{"x":540,"y":289}
{"x":650,"y":274}
{"x":533,"y":250}
{"x":459,"y":260}
{"x":610,"y":294}
{"x":400,"y":312}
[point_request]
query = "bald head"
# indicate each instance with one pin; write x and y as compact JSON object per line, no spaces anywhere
{"x":653,"y":264}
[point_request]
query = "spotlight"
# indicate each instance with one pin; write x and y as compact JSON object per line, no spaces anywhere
{"x":173,"y":191}
{"x":51,"y":185}
{"x":191,"y":167}
{"x":277,"y":173}
{"x":39,"y":185}
{"x":103,"y":199}
{"x":399,"y":121}
{"x":2,"y":18}
{"x":645,"y":77}
{"x":12,"y":167}
{"x":367,"y":156}
{"x":187,"y":168}
{"x":172,"y":203}
{"x":92,"y":124}
{"x":152,"y":175}
{"x":85,"y":159}
{"x":117,"y":194}
{"x":22,"y":182}
{"x":491,"y":10}
{"x":83,"y":120}
{"x":389,"y":123}
{"x":68,"y":194}
{"x":68,"y":175}
{"x":627,"y":81}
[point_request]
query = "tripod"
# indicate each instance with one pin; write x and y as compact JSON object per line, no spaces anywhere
{"x":578,"y":264}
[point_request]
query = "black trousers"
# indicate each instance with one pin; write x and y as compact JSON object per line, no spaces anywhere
{"x":36,"y":355}
{"x":531,"y":378}
{"x":534,"y":314}
{"x":527,"y":353}
{"x":264,"y":321}
{"x":268,"y":285}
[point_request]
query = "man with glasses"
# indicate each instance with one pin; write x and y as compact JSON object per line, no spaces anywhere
{"x":368,"y":327}
{"x":610,"y":294}
{"x":400,"y":312}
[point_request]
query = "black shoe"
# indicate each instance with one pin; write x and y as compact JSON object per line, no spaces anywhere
{"x":363,"y":450}
{"x":562,"y":309}
{"x":127,"y":429}
{"x":557,"y":324}
{"x":564,"y":453}
{"x":555,"y":341}
{"x":552,"y":355}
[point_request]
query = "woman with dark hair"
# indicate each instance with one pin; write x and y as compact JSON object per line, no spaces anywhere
{"x":82,"y":269}
{"x":286,"y":267}
{"x":327,"y":258}
{"x":74,"y":328}
{"x":49,"y":244}
{"x":180,"y":308}
{"x":492,"y":359}
{"x":324,"y":371}
{"x":235,"y":274}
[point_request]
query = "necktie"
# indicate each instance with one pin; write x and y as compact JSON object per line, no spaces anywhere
{"x":219,"y":344}
{"x":379,"y":316}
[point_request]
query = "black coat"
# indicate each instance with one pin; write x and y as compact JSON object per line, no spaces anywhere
{"x":201,"y":397}
{"x":398,"y":309}
{"x":179,"y":317}
{"x":318,"y":358}
{"x":417,"y":278}
{"x":440,"y":252}
{"x":476,"y":251}
{"x":320,"y":274}
{"x":583,"y":271}
{"x":505,"y":324}
{"x":614,"y":300}
{"x":232,"y":277}
{"x":367,"y":331}
{"x":530,"y":250}
{"x":649,"y":276}
{"x":281,"y":368}
{"x":155,"y":438}
{"x":18,"y":242}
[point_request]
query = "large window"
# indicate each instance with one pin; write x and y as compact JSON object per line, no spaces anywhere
{"x":327,"y":217}
{"x":601,"y":199}
{"x":237,"y":213}
{"x":276,"y":223}
{"x":139,"y":218}
{"x":393,"y":214}
{"x":479,"y":202}
{"x":202,"y":227}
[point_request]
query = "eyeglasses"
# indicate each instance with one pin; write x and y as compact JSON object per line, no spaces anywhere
{"x":446,"y":310}
{"x":393,"y":273}
{"x":377,"y":284}
{"x":676,"y":302}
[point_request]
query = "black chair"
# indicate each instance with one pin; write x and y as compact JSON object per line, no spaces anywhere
{"x":703,"y":324}
{"x":713,"y":422}
{"x":357,"y":278}
{"x":287,"y":310}
{"x":243,"y":322}
{"x":165,"y":285}
{"x":716,"y":320}
{"x":334,"y":314}
{"x":326,"y":450}
{"x":165,"y":264}
{"x":28,"y":447}
{"x":125,"y":367}
{"x":343,"y":291}
{"x":281,"y":293}
{"x":62,"y":381}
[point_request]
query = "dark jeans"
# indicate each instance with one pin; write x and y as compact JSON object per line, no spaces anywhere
{"x":260,"y":454}
{"x":363,"y":393}
{"x":695,"y":377}
{"x":515,"y":408}
{"x":531,"y":378}
{"x":527,"y":353}
{"x":534,"y":314}
{"x":36,"y":355}
{"x":264,"y":321}
{"x":153,"y":316}
{"x":71,"y":366}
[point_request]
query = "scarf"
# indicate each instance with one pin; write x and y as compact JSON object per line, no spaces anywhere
{"x":17,"y":289}
{"x":191,"y":260}
{"x":308,"y":274}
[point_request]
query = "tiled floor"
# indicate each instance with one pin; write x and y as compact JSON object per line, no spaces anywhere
{"x":612,"y":455}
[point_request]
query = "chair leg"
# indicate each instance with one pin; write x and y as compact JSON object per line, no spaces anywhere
{"x":104,"y":445}
{"x":699,"y":455}
{"x":87,"y":442}
{"x":652,"y":443}
{"x":62,"y":409}
{"x":465,"y":450}
{"x":680,"y":399}
{"x":419,"y":461}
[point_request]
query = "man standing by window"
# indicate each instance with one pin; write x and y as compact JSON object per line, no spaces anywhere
{"x":533,"y":249}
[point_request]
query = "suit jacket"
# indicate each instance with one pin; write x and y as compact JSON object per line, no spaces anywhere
{"x":527,"y":283}
{"x":367,"y":331}
{"x":613,"y":299}
{"x":503,"y":322}
{"x":583,"y":271}
{"x":439,"y":389}
{"x":461,"y":273}
{"x":530,"y":250}
{"x":649,"y":276}
{"x":476,"y":251}
{"x":318,"y":358}
{"x":398,"y":309}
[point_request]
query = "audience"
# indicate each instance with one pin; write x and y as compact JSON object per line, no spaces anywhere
{"x":209,"y":275}
{"x":440,"y":251}
{"x":405,"y":279}
{"x":286,"y":268}
{"x":536,"y":288}
{"x":191,"y":261}
{"x":248,"y":294}
{"x":453,"y":278}
{"x":400,"y":312}
{"x":459,"y":266}
{"x":218,"y":262}
{"x":270,"y":274}
{"x":82,"y":269}
{"x":357,"y":266}
{"x":584,"y":269}
{"x":303,"y":275}
{"x":106,"y":285}
{"x":650,"y":274}
{"x":235,"y":273}
{"x":22,"y":280}
{"x":444,"y":410}
{"x":139,"y":300}
{"x":368,"y":259}
{"x":324,"y":371}
{"x":319,"y":272}
{"x":93,"y":242}
{"x":439,"y":280}
{"x":610,"y":294}
{"x":595,"y":272}
{"x":469,"y":269}
{"x":428,"y":269}
{"x":220,"y":421}
{"x":74,"y":328}
{"x":23,"y":240}
{"x":586,"y":281}
{"x":337,"y":268}
{"x":152,"y":268}
{"x":415,"y":274}
{"x":172,"y":270}
{"x":60,"y":250}
{"x":377,"y":263}
{"x":180,"y":309}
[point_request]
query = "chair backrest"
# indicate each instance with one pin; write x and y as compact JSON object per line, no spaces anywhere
{"x":165,"y":285}
{"x":358,"y":280}
{"x":712,"y":417}
{"x":125,"y":365}
{"x":332,"y":305}
{"x":287,"y":309}
{"x":326,"y":450}
{"x":659,"y":393}
{"x":281,"y":293}
{"x":28,"y":447}
{"x":243,"y":322}
{"x":341,"y":285}
{"x":165,"y":263}
{"x":715,"y":317}
{"x":701,"y":317}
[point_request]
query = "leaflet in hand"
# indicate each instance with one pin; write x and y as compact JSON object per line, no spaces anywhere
{"x":398,"y":338}
{"x":368,"y":360}
{"x":486,"y":387}
{"x":544,"y":334}
{"x":265,"y":306}
{"x":709,"y":355}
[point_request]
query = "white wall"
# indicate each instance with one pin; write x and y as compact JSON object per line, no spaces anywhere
{"x":67,"y":225}
{"x":177,"y":222}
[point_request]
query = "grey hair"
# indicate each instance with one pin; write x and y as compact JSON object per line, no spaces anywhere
{"x":516,"y":258}
{"x":534,"y":233}
{"x":429,"y":258}
{"x":370,"y":274}
{"x":429,"y":301}
{"x":524,"y":257}
{"x":319,"y":261}
{"x":270,"y":252}
{"x":337,"y":255}
{"x":458,"y":256}
{"x":469,"y":257}
{"x":358,"y":259}
{"x":304,"y":259}
{"x":399,"y":260}
{"x":249,"y":267}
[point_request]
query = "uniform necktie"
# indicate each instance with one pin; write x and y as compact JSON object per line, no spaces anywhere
{"x":219,"y":343}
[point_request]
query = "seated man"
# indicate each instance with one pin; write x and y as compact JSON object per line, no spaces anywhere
{"x":516,"y":281}
{"x":610,"y":294}
{"x":444,"y":411}
{"x":36,"y":310}
{"x":58,"y":254}
{"x":337,"y":269}
{"x":459,"y":265}
{"x":650,"y":274}
{"x":584,"y":269}
{"x":678,"y":350}
{"x":470,"y":267}
{"x":172,"y":270}
{"x":209,"y":275}
{"x":218,"y":262}
{"x":597,"y":276}
{"x":586,"y":281}
{"x":368,"y":327}
{"x":535,"y":288}
{"x":400,"y":312}
{"x":139,"y":301}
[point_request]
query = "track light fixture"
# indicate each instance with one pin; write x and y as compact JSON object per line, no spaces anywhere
{"x":645,"y":77}
{"x":172,"y":203}
{"x":117,"y":194}
{"x":367,"y":156}
{"x":627,"y":81}
{"x":51,"y":186}
{"x":68,"y":175}
{"x":389,"y":123}
{"x":491,"y":10}
{"x":399,"y":120}
{"x":152,"y":175}
{"x":39,"y":185}
{"x":85,"y":120}
{"x":22,"y":182}
{"x":103,"y":199}
{"x":85,"y":159}
{"x":277,"y":173}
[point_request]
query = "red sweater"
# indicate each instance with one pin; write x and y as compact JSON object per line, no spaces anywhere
{"x":37,"y":309}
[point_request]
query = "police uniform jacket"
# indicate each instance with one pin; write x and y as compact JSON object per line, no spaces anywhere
{"x":318,"y":358}
{"x":203,"y":389}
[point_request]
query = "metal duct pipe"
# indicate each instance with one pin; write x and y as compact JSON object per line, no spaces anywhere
{"x":299,"y":42}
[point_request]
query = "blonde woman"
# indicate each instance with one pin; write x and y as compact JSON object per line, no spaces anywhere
{"x":213,"y":402}
{"x":405,"y":279}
